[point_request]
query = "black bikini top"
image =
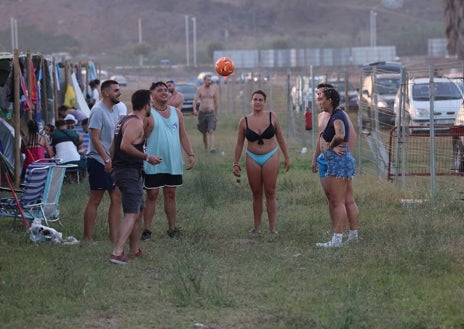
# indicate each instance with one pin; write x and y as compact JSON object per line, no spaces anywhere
{"x":251,"y":136}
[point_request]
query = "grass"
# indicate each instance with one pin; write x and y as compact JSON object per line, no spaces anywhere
{"x":406,"y":272}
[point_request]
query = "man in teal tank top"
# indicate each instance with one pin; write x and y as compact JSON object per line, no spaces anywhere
{"x":166,"y":137}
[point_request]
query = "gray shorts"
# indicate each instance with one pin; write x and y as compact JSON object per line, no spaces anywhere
{"x":129,"y":181}
{"x":206,"y":121}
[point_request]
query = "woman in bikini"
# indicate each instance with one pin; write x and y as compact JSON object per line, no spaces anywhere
{"x":263,"y":132}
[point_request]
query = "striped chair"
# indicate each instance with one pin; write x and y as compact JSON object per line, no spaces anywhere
{"x":39,"y":199}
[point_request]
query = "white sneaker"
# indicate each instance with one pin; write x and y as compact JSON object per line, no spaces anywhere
{"x":331,"y":244}
{"x":352,"y":239}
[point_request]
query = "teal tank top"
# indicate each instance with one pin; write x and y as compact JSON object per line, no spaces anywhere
{"x":164,"y":142}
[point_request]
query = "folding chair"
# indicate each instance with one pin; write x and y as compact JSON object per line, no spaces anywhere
{"x":73,"y":170}
{"x":40,"y":196}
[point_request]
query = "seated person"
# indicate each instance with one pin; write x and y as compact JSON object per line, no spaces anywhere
{"x":34,"y":145}
{"x":83,"y":130}
{"x":66,"y":144}
{"x":71,"y":123}
{"x":64,"y":111}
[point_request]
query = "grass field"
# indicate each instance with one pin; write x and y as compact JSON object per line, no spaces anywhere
{"x":406,"y":272}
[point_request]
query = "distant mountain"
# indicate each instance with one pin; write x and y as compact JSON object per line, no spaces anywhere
{"x":111,"y":27}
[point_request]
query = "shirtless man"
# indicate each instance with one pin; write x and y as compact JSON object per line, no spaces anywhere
{"x":207,"y":112}
{"x":175,"y":98}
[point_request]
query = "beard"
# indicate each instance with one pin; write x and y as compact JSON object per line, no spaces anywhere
{"x":114,"y":101}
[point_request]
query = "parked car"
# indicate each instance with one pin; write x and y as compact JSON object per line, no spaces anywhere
{"x":201,"y":76}
{"x":120,"y":79}
{"x":378,"y":93}
{"x":460,"y":83}
{"x":188,"y":90}
{"x":382,"y":67}
{"x":447,"y":101}
{"x":340,"y":86}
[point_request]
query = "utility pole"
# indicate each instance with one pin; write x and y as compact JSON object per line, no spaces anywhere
{"x":373,"y":26}
{"x":194,"y":26}
{"x":14,"y":33}
{"x":187,"y":40}
{"x":140,"y":42}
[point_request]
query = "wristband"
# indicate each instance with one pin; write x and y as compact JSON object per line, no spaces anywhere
{"x":236,"y":165}
{"x":148,"y":158}
{"x":108,"y":160}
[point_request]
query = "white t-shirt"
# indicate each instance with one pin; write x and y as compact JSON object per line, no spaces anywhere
{"x":121,"y":108}
{"x":67,"y":151}
{"x":95,"y":95}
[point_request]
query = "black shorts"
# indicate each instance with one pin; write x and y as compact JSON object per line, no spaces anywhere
{"x":129,"y":182}
{"x":161,"y":180}
{"x":98,"y":178}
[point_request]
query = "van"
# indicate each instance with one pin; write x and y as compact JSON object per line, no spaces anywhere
{"x":382,"y":67}
{"x":447,"y":100}
{"x":377,"y":98}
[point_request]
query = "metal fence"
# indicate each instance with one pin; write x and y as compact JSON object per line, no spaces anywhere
{"x":381,"y":151}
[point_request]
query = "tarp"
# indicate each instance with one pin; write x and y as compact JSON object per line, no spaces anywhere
{"x":7,"y":140}
{"x":81,"y":104}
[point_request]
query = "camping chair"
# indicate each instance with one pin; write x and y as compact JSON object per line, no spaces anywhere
{"x":40,"y":196}
{"x":72,"y":170}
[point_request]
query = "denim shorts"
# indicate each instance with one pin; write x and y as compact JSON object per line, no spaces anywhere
{"x":340,"y":165}
{"x":322,"y":164}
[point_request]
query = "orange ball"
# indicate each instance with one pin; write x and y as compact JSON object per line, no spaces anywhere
{"x":225,"y":66}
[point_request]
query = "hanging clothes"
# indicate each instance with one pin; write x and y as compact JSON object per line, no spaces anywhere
{"x":26,"y":105}
{"x":33,"y":86}
{"x":70,"y":97}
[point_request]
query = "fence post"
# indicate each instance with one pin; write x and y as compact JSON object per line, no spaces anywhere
{"x":360,"y":123}
{"x":432,"y":134}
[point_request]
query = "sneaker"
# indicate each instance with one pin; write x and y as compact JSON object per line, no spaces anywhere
{"x":253,"y":231}
{"x":274,"y":232}
{"x":146,"y":234}
{"x":139,"y":253}
{"x":120,"y":260}
{"x":352,"y":239}
{"x":213,"y":150}
{"x":330,"y":244}
{"x":174,"y":233}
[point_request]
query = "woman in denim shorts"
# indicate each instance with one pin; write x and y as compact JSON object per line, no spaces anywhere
{"x":340,"y":168}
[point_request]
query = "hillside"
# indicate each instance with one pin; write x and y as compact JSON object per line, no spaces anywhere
{"x":111,"y":26}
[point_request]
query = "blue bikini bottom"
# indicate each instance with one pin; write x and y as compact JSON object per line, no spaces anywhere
{"x":261,"y":159}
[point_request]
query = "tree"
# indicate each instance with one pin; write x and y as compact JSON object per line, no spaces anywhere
{"x":142,"y":49}
{"x":454,"y":11}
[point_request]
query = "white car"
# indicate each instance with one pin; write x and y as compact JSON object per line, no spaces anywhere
{"x":201,"y":76}
{"x":120,"y":79}
{"x":416,"y":114}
